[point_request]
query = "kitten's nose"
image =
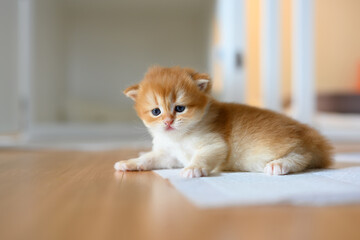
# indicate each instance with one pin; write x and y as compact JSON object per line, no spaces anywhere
{"x":168,"y":121}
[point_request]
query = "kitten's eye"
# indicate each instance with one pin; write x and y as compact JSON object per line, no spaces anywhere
{"x":179,"y":108}
{"x":156,"y":111}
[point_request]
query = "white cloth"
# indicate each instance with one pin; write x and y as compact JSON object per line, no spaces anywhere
{"x":315,"y":187}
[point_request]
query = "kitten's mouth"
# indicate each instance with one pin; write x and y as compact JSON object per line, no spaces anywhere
{"x":169,"y":128}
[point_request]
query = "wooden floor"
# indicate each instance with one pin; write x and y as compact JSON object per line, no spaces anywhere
{"x":77,"y":195}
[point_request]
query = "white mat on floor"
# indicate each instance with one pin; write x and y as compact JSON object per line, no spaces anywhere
{"x":319,"y":187}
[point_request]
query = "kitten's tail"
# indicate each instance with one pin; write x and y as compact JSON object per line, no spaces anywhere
{"x":321,"y":148}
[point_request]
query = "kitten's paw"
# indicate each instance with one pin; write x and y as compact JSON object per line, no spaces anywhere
{"x":128,"y":166}
{"x":194,"y":172}
{"x":275,"y":168}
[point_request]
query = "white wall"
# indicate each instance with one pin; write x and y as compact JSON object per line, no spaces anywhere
{"x":86,"y":53}
{"x":8,"y":66}
{"x":48,"y":79}
{"x":110,"y":49}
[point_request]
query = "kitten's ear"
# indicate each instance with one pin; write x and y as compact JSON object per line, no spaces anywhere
{"x":202,"y":84}
{"x":202,"y":81}
{"x":132,"y":91}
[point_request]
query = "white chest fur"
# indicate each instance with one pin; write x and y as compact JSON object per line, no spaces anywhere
{"x":181,"y":148}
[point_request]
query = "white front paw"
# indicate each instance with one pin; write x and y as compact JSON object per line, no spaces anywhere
{"x":275,"y":168}
{"x":129,"y":165}
{"x":194,"y":172}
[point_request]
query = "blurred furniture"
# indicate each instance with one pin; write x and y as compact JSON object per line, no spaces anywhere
{"x":339,"y":103}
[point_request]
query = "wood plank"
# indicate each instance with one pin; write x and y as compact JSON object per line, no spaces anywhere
{"x":77,"y":195}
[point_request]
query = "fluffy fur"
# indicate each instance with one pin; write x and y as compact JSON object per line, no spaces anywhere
{"x":210,"y":136}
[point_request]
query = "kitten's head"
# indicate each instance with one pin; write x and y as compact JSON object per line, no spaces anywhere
{"x":171,"y":100}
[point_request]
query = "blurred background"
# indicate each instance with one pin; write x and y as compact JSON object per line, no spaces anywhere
{"x":64,"y":63}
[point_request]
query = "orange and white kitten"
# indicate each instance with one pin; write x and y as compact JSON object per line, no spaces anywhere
{"x":191,"y":129}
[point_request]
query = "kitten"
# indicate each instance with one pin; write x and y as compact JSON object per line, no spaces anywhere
{"x":190,"y":129}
